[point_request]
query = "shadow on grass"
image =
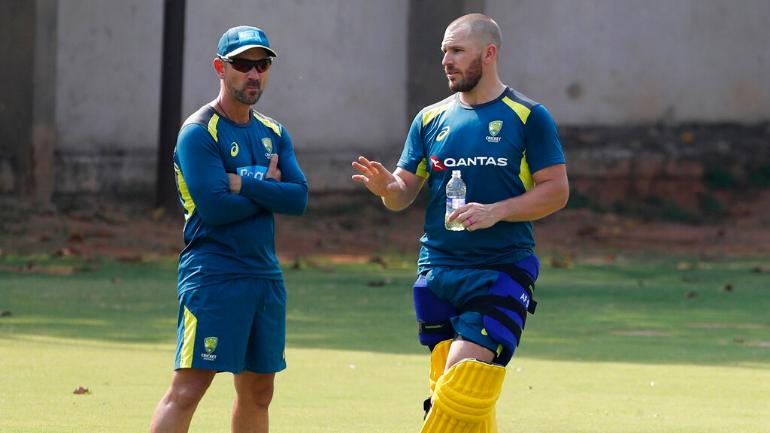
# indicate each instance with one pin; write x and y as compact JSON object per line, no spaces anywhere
{"x":651,"y":313}
{"x":111,"y":301}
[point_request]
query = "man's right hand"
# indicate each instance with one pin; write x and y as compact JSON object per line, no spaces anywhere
{"x":375,"y":177}
{"x":235,"y":182}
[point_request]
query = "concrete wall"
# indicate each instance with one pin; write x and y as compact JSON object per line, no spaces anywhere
{"x":623,"y":61}
{"x":28,"y":34}
{"x":427,"y":83}
{"x":108,"y":96}
{"x":338,"y":85}
{"x":17,"y":39}
{"x":342,"y":82}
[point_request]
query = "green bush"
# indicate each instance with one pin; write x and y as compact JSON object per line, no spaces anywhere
{"x":759,"y":177}
{"x":578,"y":200}
{"x":654,"y":208}
{"x":710,"y":205}
{"x":719,"y":178}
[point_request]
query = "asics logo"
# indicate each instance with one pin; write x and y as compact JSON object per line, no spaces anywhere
{"x":443,"y":133}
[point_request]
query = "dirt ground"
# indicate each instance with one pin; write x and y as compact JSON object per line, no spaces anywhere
{"x":358,"y":228}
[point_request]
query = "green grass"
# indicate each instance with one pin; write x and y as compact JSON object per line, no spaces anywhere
{"x":656,"y":346}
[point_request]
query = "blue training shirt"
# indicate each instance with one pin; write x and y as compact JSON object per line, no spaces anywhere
{"x":229,"y":235}
{"x":496,"y":146}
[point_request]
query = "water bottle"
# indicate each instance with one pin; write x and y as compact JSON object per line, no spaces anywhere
{"x":455,"y":197}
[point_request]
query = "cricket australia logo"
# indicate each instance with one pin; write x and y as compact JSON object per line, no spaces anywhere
{"x":267,"y":143}
{"x":210,"y":344}
{"x":494,"y":128}
{"x":234,"y":149}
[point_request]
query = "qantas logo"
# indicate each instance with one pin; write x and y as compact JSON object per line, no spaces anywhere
{"x":436,"y":163}
{"x":439,"y":165}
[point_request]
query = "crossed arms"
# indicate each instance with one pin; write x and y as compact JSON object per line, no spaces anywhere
{"x":212,"y":189}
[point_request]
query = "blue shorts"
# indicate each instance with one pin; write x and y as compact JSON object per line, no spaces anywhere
{"x":240,"y":325}
{"x":449,"y":289}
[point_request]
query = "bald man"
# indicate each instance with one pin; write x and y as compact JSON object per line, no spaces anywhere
{"x":474,"y":286}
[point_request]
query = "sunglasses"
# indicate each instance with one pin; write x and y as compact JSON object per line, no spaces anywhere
{"x":244,"y":66}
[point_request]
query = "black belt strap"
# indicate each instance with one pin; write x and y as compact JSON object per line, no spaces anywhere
{"x":424,"y":327}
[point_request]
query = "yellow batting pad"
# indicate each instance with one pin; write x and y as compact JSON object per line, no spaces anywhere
{"x":437,"y":362}
{"x":489,"y":425}
{"x":464,"y":399}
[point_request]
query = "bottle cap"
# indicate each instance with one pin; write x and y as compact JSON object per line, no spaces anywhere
{"x":455,"y":173}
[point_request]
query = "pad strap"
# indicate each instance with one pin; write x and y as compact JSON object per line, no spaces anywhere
{"x":442,"y":327}
{"x":487,"y":306}
{"x":520,"y":276}
{"x":433,"y":314}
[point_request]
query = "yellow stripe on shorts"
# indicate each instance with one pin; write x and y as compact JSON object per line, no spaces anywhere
{"x":188,"y":343}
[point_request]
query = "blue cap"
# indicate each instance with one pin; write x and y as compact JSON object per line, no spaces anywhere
{"x":242,"y":38}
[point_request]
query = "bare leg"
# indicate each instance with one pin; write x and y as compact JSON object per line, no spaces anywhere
{"x":462,"y":349}
{"x":254,"y":392}
{"x":175,"y":410}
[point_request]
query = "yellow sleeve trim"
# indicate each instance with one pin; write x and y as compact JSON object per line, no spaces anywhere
{"x":431,"y":114}
{"x":213,"y":126}
{"x":520,"y":110}
{"x":524,"y":174}
{"x":188,"y":342}
{"x":269,"y":123}
{"x":422,"y":169}
{"x":184,"y":193}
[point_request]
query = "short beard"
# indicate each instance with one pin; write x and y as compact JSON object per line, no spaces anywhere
{"x":244,"y":98}
{"x":472,"y":78}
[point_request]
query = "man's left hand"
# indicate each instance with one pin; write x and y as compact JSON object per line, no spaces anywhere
{"x":475,"y":216}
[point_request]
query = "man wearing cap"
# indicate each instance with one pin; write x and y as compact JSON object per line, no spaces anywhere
{"x":235,"y":168}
